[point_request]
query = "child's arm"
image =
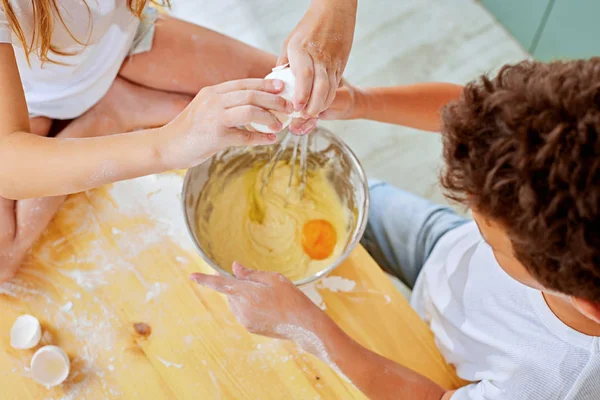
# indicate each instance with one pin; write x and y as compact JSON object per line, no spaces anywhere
{"x":268,"y":304}
{"x":377,"y":377}
{"x":34,"y":166}
{"x":416,"y":106}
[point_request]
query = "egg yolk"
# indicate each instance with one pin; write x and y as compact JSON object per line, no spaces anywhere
{"x":318,"y":239}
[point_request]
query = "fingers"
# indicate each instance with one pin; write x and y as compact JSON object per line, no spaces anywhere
{"x":320,"y":92}
{"x":283,"y":57}
{"x":300,"y":126}
{"x":241,"y":272}
{"x":302,"y":67}
{"x":264,"y":277}
{"x":340,"y":106}
{"x":222,"y":284}
{"x":244,"y":115}
{"x":265,"y":100}
{"x":264,"y":85}
{"x":330,"y":114}
{"x":242,"y":137}
{"x":333,"y":86}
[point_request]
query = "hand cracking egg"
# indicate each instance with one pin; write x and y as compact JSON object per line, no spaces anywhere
{"x":283,"y":73}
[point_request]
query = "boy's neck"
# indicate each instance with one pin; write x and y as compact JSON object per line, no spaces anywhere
{"x":569,"y":315}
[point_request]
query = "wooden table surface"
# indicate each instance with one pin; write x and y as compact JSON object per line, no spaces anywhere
{"x":120,"y":255}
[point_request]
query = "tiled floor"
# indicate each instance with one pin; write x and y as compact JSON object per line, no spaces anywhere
{"x":396,"y":42}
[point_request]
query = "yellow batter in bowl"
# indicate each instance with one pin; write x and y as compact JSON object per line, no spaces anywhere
{"x":264,"y":230}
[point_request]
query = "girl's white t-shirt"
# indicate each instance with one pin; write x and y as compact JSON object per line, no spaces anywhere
{"x":497,"y":332}
{"x":106,"y":32}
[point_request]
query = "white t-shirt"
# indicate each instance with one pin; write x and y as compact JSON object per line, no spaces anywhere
{"x":498,"y":332}
{"x":67,"y":91}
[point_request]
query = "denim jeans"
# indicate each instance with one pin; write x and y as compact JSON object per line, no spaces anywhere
{"x":403,"y":229}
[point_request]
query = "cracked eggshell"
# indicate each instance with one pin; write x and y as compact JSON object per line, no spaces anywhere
{"x":50,"y":366}
{"x":25,"y":332}
{"x":283,"y":73}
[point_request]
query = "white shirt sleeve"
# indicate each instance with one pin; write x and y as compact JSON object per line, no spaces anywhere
{"x":5,"y":33}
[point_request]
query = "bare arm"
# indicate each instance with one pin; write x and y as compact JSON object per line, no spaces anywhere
{"x":33,"y":166}
{"x":269,"y":304}
{"x":377,"y":377}
{"x":416,"y":106}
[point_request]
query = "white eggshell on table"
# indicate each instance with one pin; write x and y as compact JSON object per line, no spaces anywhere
{"x":289,"y":86}
{"x":50,"y":366}
{"x":25,"y":332}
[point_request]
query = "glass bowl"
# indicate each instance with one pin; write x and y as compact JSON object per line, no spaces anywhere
{"x":345,"y":173}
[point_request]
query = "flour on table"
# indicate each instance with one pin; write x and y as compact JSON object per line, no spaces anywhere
{"x":155,"y":290}
{"x":90,"y":279}
{"x":67,"y":307}
{"x":155,"y":201}
{"x":332,"y":283}
{"x":169,"y":364}
{"x":155,"y":196}
{"x":215,"y":382}
{"x":19,"y":289}
{"x":336,"y":284}
{"x":59,"y":242}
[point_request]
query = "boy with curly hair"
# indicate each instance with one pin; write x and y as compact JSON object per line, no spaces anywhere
{"x":513,"y":296}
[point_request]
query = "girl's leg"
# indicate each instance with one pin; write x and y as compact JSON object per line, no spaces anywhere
{"x":128,"y":107}
{"x":185,"y":58}
{"x":13,"y":214}
{"x":124,"y":108}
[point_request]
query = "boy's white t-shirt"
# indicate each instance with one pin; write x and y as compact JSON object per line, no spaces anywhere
{"x":498,"y":332}
{"x":67,"y":91}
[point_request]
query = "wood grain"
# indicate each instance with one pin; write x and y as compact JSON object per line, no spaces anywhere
{"x":119,"y":255}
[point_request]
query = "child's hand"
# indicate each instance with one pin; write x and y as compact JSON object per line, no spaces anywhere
{"x":346,"y":105}
{"x":266,"y":303}
{"x":212,"y":121}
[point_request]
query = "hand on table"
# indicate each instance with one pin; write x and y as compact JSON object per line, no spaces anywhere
{"x":265,"y":303}
{"x":270,"y":305}
{"x":317,"y":50}
{"x":212,"y":121}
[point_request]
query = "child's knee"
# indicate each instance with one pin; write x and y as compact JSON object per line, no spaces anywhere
{"x":383,"y":198}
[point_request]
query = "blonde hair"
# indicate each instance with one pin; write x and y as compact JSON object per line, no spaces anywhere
{"x":43,"y":26}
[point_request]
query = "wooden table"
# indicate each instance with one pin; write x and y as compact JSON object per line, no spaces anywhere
{"x":120,"y":255}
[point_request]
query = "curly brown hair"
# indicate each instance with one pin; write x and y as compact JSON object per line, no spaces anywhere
{"x":523,"y":149}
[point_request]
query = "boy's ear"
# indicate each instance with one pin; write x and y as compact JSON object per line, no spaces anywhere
{"x":587,"y":308}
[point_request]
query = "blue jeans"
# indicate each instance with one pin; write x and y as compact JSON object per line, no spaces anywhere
{"x":403,"y":229}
